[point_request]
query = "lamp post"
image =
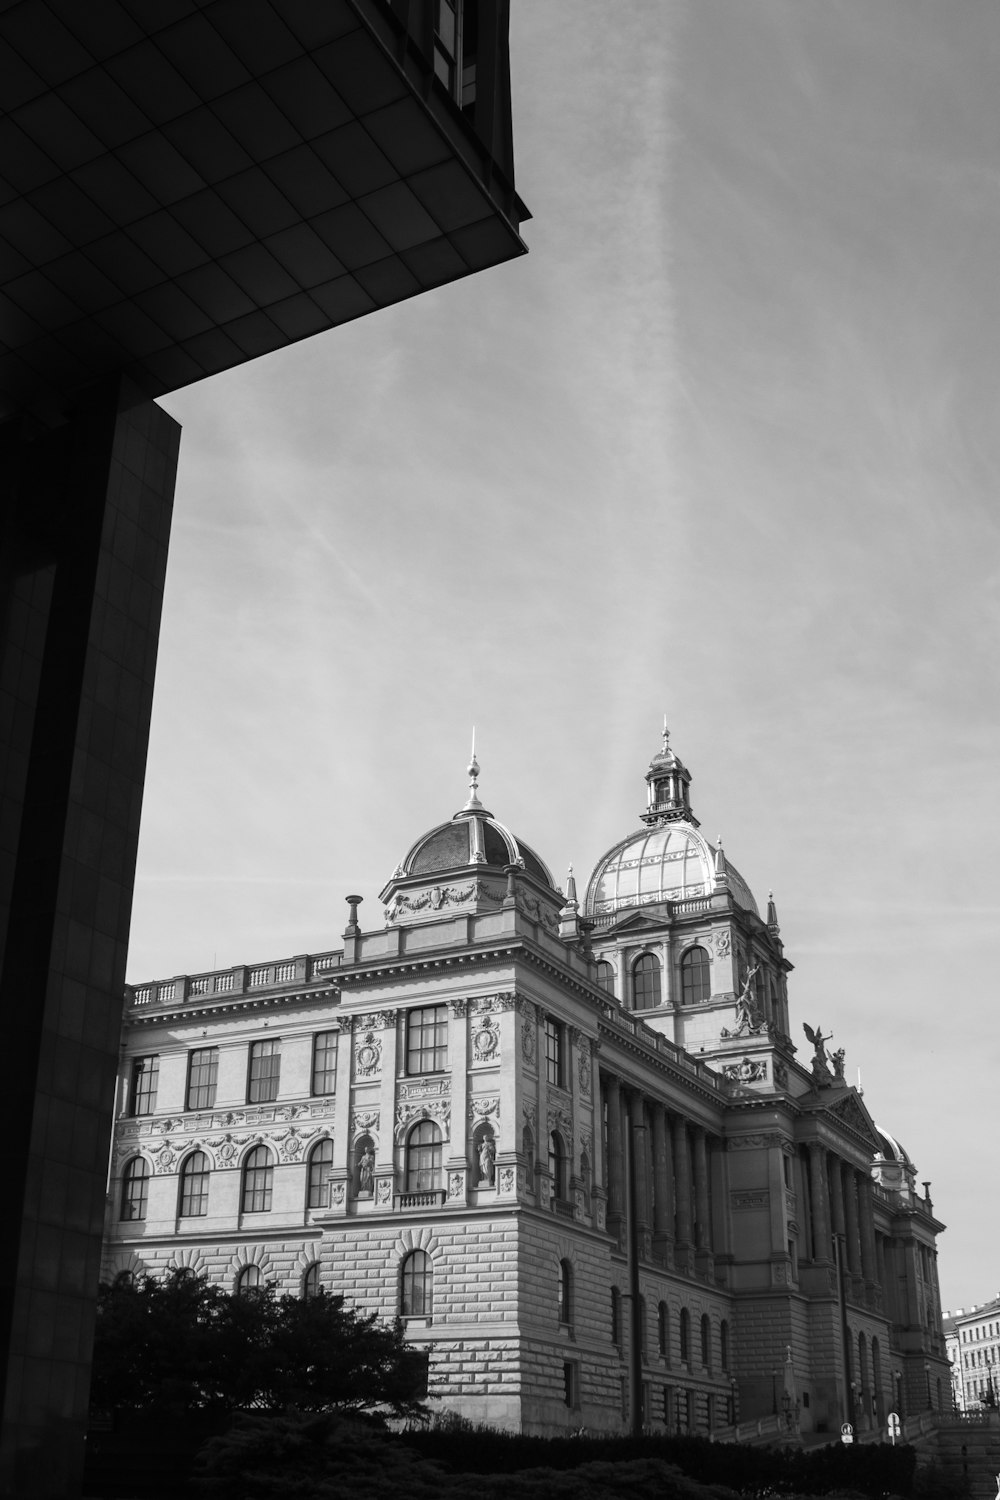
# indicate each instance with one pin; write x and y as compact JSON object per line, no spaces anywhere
{"x":733,"y":1412}
{"x":927,"y":1381}
{"x":897,"y":1376}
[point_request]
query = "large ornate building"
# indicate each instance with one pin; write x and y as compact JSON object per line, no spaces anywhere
{"x":572,"y":1144}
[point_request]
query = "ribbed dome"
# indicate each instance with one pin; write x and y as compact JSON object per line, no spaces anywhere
{"x":891,"y":1148}
{"x":671,"y":862}
{"x":474,"y":838}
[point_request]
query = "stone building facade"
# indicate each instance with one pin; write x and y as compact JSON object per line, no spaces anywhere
{"x":571,"y":1143}
{"x":972,"y":1341}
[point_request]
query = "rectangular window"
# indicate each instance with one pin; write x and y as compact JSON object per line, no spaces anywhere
{"x":571,"y":1383}
{"x":324,"y":1079}
{"x":427,"y":1040}
{"x":142,"y":1085}
{"x":203,"y":1072}
{"x":265,"y":1070}
{"x":555,"y":1070}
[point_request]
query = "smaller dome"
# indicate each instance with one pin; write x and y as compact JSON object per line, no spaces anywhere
{"x":471,"y":839}
{"x":892,"y":1150}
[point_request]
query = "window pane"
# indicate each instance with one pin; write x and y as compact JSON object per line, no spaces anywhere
{"x":194,"y":1186}
{"x":135,"y":1189}
{"x":696,"y":976}
{"x":324,"y":1079}
{"x":423,"y":1158}
{"x":265,"y":1070}
{"x":416,"y":1290}
{"x":142,"y":1089}
{"x":310,"y":1281}
{"x":318,"y":1187}
{"x":257,"y":1179}
{"x":249,"y":1279}
{"x":646,"y":982}
{"x":203,"y":1072}
{"x":554,"y":1067}
{"x":427,"y":1040}
{"x":606,"y":977}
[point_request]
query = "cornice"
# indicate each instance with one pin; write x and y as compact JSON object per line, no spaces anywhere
{"x":215,"y":1005}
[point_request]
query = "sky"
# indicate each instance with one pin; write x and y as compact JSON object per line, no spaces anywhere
{"x":724,"y":446}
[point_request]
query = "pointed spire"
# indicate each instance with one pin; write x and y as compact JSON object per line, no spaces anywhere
{"x":772,"y":914}
{"x":473,"y":803}
{"x":569,"y":916}
{"x":721,"y":868}
{"x":571,"y":888}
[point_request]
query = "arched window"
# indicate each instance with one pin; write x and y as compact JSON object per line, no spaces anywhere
{"x":565,"y":1292}
{"x":249,"y":1280}
{"x":706,"y":1340}
{"x":194,"y":1186}
{"x":696,"y":976}
{"x":310,"y":1280}
{"x":616,"y":1315}
{"x":605,"y":976}
{"x":416,"y":1285}
{"x":646,"y":982}
{"x":318,"y":1177}
{"x":258,"y":1178}
{"x":557,"y":1166}
{"x":135,"y":1189}
{"x":124,"y":1278}
{"x":663,"y":1331}
{"x":724,"y":1344}
{"x":685,"y":1335}
{"x":423,"y":1158}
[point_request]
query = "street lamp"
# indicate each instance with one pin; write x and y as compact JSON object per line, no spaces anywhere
{"x":733,"y":1413}
{"x":927,"y":1378}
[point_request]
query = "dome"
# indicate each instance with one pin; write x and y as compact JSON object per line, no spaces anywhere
{"x":891,"y":1148}
{"x":668,"y":859}
{"x":471,"y":838}
{"x":671,"y":862}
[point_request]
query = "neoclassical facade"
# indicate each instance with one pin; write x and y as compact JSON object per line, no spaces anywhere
{"x":571,"y":1143}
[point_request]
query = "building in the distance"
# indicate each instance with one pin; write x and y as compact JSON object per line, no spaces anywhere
{"x":570,"y":1142}
{"x":972,"y":1343}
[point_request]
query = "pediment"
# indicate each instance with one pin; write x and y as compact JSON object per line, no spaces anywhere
{"x":850,"y":1111}
{"x":636,"y":923}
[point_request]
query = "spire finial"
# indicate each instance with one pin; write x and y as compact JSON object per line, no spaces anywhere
{"x":666,"y":733}
{"x":570,"y":886}
{"x":473,"y":798}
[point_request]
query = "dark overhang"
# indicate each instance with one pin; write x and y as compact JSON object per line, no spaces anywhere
{"x":188,"y":184}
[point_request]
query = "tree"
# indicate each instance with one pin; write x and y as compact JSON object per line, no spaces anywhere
{"x":181,"y":1344}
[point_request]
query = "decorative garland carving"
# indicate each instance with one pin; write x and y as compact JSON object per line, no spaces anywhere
{"x":723,"y":944}
{"x":528,"y":1042}
{"x":506,"y":1180}
{"x":485,"y":1108}
{"x":486,"y":1041}
{"x":438,"y":1110}
{"x":365,"y":1122}
{"x":368,"y":1054}
{"x":460,"y":1008}
{"x":585,"y":1069}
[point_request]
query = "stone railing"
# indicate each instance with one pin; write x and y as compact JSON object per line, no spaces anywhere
{"x":632,"y":1026}
{"x":306,"y":968}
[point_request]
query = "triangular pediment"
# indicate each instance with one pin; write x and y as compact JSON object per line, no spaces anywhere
{"x":849,"y":1109}
{"x":636,"y":922}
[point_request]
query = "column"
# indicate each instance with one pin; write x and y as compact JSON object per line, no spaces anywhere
{"x":837,"y":1197}
{"x":663,"y":1187}
{"x":853,"y":1236}
{"x":818,"y":1202}
{"x":683,"y":1253}
{"x":703,"y":1202}
{"x":343,"y":1162}
{"x":616,"y":1160}
{"x":869,"y":1259}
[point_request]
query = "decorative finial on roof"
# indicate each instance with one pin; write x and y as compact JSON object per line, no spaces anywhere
{"x":473,"y":799}
{"x":772,"y":914}
{"x":721,"y":868}
{"x":667,"y":781}
{"x":570,"y":886}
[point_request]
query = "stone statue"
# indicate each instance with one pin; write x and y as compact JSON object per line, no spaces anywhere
{"x":838,"y":1063}
{"x":820,"y":1063}
{"x":366,"y":1176}
{"x":487,"y":1159}
{"x":749,"y":1021}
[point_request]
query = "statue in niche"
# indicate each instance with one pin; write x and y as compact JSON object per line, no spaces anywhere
{"x":366,"y":1167}
{"x":487,"y":1159}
